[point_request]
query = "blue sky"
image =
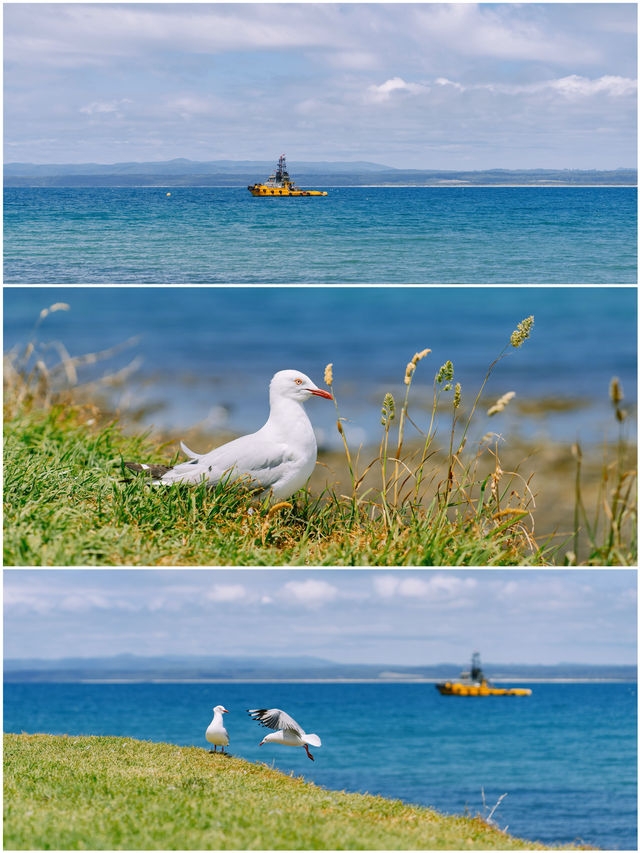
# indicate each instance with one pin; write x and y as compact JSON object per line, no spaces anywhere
{"x":461,"y":86}
{"x":350,"y":616}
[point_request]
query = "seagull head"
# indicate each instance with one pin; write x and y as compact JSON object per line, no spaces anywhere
{"x":220,"y":708}
{"x":294,"y":385}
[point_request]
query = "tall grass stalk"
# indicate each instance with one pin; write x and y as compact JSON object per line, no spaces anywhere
{"x":611,"y":532}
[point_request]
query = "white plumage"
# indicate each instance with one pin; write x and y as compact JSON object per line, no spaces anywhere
{"x":289,"y":732}
{"x":216,"y":732}
{"x":279,"y":458}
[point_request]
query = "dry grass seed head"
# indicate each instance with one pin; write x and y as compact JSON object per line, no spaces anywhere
{"x":420,"y":355}
{"x":501,"y":404}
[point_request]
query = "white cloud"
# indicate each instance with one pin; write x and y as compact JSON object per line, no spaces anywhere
{"x":15,"y":598}
{"x":386,"y":585}
{"x":439,"y":587}
{"x":572,"y":86}
{"x":583,"y":87}
{"x":227,"y":592}
{"x":442,"y":81}
{"x":104,"y":106}
{"x":80,"y":602}
{"x":310,"y":592}
{"x":395,"y":84}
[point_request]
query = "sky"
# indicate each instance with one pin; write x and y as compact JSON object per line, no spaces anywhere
{"x":427,"y":86}
{"x":383,"y":616}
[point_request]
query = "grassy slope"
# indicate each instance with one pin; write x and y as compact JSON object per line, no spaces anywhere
{"x":65,"y":506}
{"x":117,"y":793}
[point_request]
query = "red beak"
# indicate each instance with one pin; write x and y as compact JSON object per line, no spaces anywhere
{"x":319,"y":393}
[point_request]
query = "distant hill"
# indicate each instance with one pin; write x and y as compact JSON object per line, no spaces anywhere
{"x":222,"y":173}
{"x":184,"y":668}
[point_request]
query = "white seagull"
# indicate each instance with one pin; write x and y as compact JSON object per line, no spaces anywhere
{"x":289,"y":732}
{"x":216,"y":732}
{"x":279,"y":458}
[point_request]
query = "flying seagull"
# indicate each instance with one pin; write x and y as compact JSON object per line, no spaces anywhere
{"x":278,"y":459}
{"x":216,"y":732}
{"x":288,"y":733}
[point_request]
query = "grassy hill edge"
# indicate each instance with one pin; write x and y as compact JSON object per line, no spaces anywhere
{"x":114,"y":793}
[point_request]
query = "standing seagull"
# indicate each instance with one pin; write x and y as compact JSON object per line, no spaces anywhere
{"x":278,"y":459}
{"x":289,"y":734}
{"x":216,"y":733}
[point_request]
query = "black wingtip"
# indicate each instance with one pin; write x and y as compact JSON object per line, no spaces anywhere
{"x":256,"y":714}
{"x":153,"y":471}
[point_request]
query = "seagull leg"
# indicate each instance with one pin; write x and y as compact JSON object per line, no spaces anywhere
{"x":308,"y":753}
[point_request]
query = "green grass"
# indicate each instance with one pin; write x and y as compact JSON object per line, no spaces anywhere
{"x":109,"y":793}
{"x":65,"y":505}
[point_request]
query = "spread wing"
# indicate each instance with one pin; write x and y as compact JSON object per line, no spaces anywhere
{"x":274,"y":718}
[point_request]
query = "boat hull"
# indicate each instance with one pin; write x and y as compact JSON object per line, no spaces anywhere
{"x":455,"y":688}
{"x":275,"y":192}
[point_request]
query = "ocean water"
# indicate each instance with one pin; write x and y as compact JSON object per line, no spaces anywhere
{"x":565,"y":757}
{"x":208,"y":353}
{"x":472,"y":235}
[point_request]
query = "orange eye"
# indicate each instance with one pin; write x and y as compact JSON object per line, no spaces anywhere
{"x":298,"y":381}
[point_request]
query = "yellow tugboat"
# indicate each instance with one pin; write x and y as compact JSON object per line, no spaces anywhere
{"x":475,"y":683}
{"x":280,"y":184}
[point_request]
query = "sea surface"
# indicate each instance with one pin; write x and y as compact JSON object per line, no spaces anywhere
{"x":566,"y":757}
{"x":442,"y":235}
{"x":206,"y":355}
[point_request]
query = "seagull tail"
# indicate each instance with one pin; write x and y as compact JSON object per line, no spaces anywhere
{"x":312,"y":740}
{"x":188,"y":452}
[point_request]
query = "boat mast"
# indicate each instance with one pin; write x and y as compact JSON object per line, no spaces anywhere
{"x":282,"y":176}
{"x":476,"y":669}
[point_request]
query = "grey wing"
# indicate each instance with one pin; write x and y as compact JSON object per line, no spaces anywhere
{"x":274,"y":718}
{"x":263,"y":463}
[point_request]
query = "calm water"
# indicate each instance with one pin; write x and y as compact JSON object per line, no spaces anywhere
{"x":566,"y":756}
{"x":208,"y":353}
{"x":356,"y":234}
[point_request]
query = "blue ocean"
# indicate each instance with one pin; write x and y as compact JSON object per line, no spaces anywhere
{"x":467,"y":235}
{"x":565,"y":757}
{"x":206,"y":355}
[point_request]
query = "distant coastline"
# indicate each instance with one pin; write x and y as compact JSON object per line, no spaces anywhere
{"x":195,"y":670}
{"x":225,"y":173}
